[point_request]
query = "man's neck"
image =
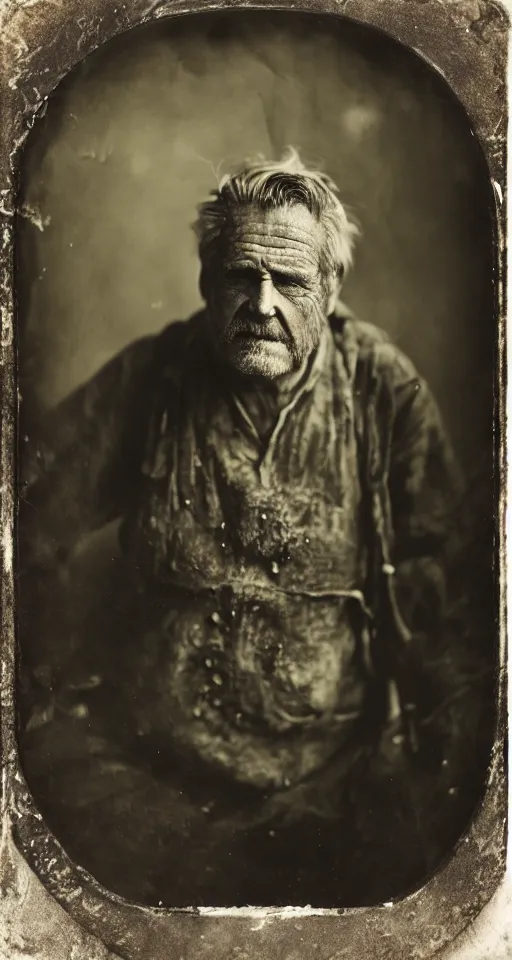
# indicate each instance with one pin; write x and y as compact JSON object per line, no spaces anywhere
{"x":279,"y":390}
{"x":264,"y":399}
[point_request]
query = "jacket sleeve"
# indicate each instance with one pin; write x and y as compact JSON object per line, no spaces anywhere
{"x":424,"y":490}
{"x":79,"y":463}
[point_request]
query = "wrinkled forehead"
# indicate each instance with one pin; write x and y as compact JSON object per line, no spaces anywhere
{"x":280,"y":234}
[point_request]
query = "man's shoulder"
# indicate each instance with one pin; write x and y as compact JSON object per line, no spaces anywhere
{"x":176,"y":335}
{"x":136,"y":368}
{"x":365,"y":344}
{"x":159,"y":353}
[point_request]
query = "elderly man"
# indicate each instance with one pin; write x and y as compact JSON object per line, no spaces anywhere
{"x":284,"y":485}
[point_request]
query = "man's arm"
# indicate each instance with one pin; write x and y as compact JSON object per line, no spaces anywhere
{"x":78,"y":465}
{"x":424,"y":488}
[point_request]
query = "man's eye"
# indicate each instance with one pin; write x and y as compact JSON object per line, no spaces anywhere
{"x":287,"y":280}
{"x":240,"y":275}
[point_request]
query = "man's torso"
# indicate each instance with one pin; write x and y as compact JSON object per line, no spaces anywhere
{"x":250,"y":558}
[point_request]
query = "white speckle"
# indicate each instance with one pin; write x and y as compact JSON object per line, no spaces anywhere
{"x":208,"y":663}
{"x":197,"y":711}
{"x":271,"y":833}
{"x":275,"y":567}
{"x":307,"y":539}
{"x":223,"y":545}
{"x":444,"y":763}
{"x":223,"y":526}
{"x":216,"y":618}
{"x":452,"y":791}
{"x":187,"y":503}
{"x":160,"y":904}
{"x":263,"y":516}
{"x":217,"y":679}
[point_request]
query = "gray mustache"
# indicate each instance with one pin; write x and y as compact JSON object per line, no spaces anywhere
{"x":252,"y":324}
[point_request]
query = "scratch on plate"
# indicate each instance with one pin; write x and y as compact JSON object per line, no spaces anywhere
{"x":498,"y":191}
{"x":35,"y":217}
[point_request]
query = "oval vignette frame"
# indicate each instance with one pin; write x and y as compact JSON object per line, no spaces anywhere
{"x":41,"y":41}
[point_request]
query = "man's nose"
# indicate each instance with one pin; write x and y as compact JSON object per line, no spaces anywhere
{"x":265,"y":297}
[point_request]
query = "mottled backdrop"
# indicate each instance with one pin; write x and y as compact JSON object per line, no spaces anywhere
{"x":130,"y":144}
{"x":137,"y":136}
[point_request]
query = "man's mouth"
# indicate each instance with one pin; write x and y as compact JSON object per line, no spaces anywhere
{"x":258,"y":335}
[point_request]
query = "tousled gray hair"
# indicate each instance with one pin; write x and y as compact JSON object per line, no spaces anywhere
{"x":268,"y":184}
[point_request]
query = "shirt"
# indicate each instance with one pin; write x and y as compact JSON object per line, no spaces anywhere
{"x":247,"y":557}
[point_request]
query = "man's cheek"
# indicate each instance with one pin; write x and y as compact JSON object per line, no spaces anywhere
{"x":231,"y":300}
{"x":225,"y":303}
{"x":307,"y":304}
{"x":307,"y":320}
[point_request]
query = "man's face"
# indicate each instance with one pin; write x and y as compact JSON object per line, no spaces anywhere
{"x":269,"y":299}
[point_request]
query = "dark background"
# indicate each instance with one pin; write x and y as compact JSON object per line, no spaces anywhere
{"x":134,"y":139}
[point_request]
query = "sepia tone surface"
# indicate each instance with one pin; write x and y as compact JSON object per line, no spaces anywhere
{"x":98,"y":171}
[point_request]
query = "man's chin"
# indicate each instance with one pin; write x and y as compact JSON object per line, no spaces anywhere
{"x":260,"y":358}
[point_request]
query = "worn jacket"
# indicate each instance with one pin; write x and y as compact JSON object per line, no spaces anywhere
{"x":271,"y":585}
